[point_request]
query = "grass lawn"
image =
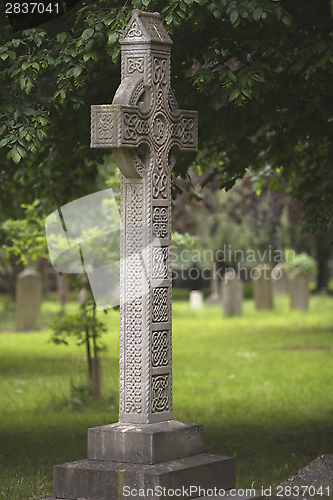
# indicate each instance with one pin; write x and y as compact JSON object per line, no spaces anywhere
{"x":261,"y":384}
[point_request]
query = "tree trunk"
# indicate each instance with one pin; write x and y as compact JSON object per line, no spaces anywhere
{"x":323,"y":255}
{"x":95,"y":377}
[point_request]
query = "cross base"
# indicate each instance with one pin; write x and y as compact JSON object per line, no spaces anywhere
{"x":145,"y":443}
{"x":103,"y":480}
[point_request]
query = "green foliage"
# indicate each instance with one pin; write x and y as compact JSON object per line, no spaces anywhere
{"x":273,"y":356}
{"x":251,"y":69}
{"x":183,"y":240}
{"x":26,"y":236}
{"x":301,"y":261}
{"x":80,"y":327}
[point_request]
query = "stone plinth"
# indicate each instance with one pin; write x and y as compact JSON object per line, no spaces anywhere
{"x":145,"y":444}
{"x":103,"y":480}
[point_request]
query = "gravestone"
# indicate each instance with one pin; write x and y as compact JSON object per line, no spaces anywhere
{"x":82,"y":295}
{"x":214,"y":298}
{"x":196,"y":300}
{"x":233,"y":293}
{"x":262,"y":286}
{"x":146,"y":448}
{"x":280,"y":280}
{"x":299,"y":290}
{"x":315,"y":478}
{"x":28,"y":300}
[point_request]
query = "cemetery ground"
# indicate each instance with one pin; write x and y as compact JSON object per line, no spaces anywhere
{"x":261,"y":384}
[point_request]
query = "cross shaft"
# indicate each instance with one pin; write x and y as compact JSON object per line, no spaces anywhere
{"x":145,"y":130}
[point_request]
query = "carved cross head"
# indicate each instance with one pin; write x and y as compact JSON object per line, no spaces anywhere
{"x":144,"y":126}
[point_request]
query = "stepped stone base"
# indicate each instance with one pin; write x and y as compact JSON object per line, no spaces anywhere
{"x":145,"y":443}
{"x":104,"y":480}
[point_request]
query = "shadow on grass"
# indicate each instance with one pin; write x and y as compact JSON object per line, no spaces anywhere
{"x":265,"y":455}
{"x":31,"y":367}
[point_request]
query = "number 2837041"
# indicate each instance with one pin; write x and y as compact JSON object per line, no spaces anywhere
{"x":31,"y":7}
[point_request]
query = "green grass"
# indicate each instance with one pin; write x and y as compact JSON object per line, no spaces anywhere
{"x":261,"y":384}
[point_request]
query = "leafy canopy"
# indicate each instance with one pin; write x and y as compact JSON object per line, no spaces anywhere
{"x":259,"y":73}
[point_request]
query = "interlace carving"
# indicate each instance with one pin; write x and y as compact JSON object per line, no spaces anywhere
{"x":184,"y":130}
{"x":160,"y":348}
{"x":135,"y":204}
{"x":159,"y":71}
{"x":160,"y":401}
{"x":160,"y":262}
{"x":138,"y":90}
{"x":134,"y":306}
{"x":133,"y":373}
{"x":105,"y":126}
{"x":134,"y":127}
{"x":160,"y":305}
{"x":134,"y":30}
{"x":146,"y":130}
{"x":160,"y":221}
{"x":135,"y":64}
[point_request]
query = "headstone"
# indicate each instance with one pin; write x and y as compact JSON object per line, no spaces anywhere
{"x":214,"y":298}
{"x":280,"y":280}
{"x":62,"y":289}
{"x":82,"y":295}
{"x":196,"y":299}
{"x":233,"y":293}
{"x":262,"y":286}
{"x":312,"y":480}
{"x":28,"y":300}
{"x":146,"y":130}
{"x":299,"y":290}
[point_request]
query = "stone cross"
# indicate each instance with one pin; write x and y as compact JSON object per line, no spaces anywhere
{"x":146,"y":130}
{"x":146,"y":448}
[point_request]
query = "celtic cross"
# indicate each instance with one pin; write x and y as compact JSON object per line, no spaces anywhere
{"x":146,"y":130}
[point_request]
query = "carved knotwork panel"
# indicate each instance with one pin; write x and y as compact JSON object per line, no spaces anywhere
{"x":133,"y":358}
{"x":161,"y":221}
{"x":135,"y":288}
{"x":160,"y":393}
{"x":160,"y":348}
{"x":160,"y":263}
{"x":161,"y":305}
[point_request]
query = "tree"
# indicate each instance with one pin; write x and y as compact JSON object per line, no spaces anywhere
{"x":251,"y":68}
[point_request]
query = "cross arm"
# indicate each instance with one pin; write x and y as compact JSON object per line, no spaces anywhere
{"x":117,"y":126}
{"x":184,"y":130}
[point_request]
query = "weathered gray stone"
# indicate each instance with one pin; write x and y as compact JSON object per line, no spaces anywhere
{"x":103,"y":480}
{"x":262,"y":286}
{"x":196,"y":300}
{"x":299,"y":290}
{"x":233,"y":293}
{"x":313,"y":480}
{"x":28,"y":300}
{"x":145,"y":443}
{"x":145,"y":130}
{"x":280,"y":280}
{"x":214,"y":298}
